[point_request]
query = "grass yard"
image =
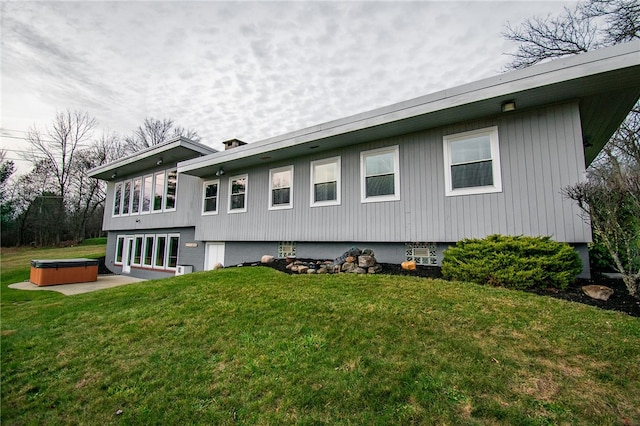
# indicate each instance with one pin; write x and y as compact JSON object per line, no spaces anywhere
{"x":255,"y":346}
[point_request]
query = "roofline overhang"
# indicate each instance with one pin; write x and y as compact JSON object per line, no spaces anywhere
{"x":105,"y":171}
{"x":490,"y":93}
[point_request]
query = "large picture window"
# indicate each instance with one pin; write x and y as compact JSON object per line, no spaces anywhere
{"x":135,"y":198}
{"x":147,"y":184}
{"x":472,"y":162}
{"x":325,"y":182}
{"x":238,"y":194}
{"x":146,"y":194}
{"x":281,"y":188}
{"x":380,"y":178}
{"x":158,"y":191}
{"x":117,"y":199}
{"x":119,"y":250}
{"x":172,"y":183}
{"x":210,"y":197}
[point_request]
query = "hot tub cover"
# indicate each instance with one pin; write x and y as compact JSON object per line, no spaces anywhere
{"x":63,"y":263}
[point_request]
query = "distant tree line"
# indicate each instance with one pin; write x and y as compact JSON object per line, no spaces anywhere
{"x":56,"y":202}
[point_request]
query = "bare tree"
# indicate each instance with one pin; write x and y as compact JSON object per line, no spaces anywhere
{"x":591,"y":25}
{"x":153,"y":132}
{"x":58,"y":145}
{"x":88,"y":194}
{"x":612,"y":206}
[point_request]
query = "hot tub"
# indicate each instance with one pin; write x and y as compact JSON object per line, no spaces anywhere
{"x":63,"y":271}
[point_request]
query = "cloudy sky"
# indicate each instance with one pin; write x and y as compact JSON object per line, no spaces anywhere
{"x":246,"y":70}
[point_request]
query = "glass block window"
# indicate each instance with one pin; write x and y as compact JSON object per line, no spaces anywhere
{"x":286,"y":248}
{"x":422,"y":253}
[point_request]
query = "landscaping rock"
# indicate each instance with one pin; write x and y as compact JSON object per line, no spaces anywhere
{"x":598,"y":292}
{"x":302,"y":269}
{"x":218,"y":266}
{"x":311,"y":271}
{"x":375,"y":269}
{"x":366,"y":261}
{"x":348,"y":266}
{"x":409,"y":265}
{"x":358,"y":270}
{"x":322,"y":270}
{"x":267,"y":258}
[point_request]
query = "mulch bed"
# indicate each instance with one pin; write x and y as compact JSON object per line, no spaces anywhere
{"x":619,"y":301}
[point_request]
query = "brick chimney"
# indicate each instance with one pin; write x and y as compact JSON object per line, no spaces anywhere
{"x":233,"y":143}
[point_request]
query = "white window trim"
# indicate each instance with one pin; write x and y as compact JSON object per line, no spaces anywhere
{"x":168,"y":252}
{"x":124,"y":184}
{"x":115,"y":191}
{"x":166,"y":192}
{"x":142,"y":194}
{"x":144,"y":250}
{"x":246,"y":192}
{"x":133,"y":193}
{"x":135,"y":245}
{"x":155,"y":248}
{"x":337,"y":201}
{"x":115,"y":257}
{"x":280,"y":206}
{"x":204,"y":192}
{"x":395,"y":150}
{"x":153,"y":191}
{"x":492,"y":132}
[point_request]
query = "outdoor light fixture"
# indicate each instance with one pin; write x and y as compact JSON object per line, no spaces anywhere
{"x":159,"y":162}
{"x":508,"y":106}
{"x":113,"y":176}
{"x":220,"y":172}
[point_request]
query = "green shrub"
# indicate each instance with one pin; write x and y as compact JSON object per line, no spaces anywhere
{"x":513,"y":262}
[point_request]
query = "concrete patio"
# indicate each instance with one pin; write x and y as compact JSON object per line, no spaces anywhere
{"x":104,"y":281}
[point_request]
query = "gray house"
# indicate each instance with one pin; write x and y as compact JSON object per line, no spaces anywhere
{"x":406,"y":180}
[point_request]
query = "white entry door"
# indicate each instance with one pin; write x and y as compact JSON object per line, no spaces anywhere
{"x":213,"y":253}
{"x":128,"y":254}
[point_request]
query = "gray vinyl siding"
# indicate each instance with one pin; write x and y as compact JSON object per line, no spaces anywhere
{"x":188,"y":193}
{"x":541,"y":153}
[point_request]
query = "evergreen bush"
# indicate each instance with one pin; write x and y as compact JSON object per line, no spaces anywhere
{"x":517,"y":262}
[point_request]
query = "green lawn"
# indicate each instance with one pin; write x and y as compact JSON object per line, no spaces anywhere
{"x":255,"y":346}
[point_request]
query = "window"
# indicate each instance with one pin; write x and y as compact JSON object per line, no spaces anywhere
{"x":158,"y":191}
{"x":280,"y":188}
{"x":286,"y":249}
{"x":422,"y":253}
{"x":238,"y":194}
{"x":135,"y":199}
{"x":161,"y":247}
{"x":210,"y":197}
{"x":172,"y":260}
{"x":119,"y":249}
{"x":126,"y":197}
{"x":380,"y":180}
{"x":325,"y":182}
{"x":137,"y":251}
{"x":147,"y":184}
{"x":472,"y":162}
{"x":172,"y":183}
{"x":148,"y":250}
{"x":117,"y":201}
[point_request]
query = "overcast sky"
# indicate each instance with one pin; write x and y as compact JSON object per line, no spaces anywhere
{"x":241,"y":70}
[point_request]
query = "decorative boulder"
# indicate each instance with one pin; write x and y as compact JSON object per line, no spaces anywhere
{"x":267,"y":258}
{"x":218,"y":266}
{"x":302,"y":269}
{"x":322,"y":270}
{"x":358,"y":270}
{"x":598,"y":292}
{"x":350,"y":259}
{"x":366,"y":261}
{"x":374,"y":269}
{"x":311,"y":271}
{"x":408,"y":265}
{"x":348,"y":266}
